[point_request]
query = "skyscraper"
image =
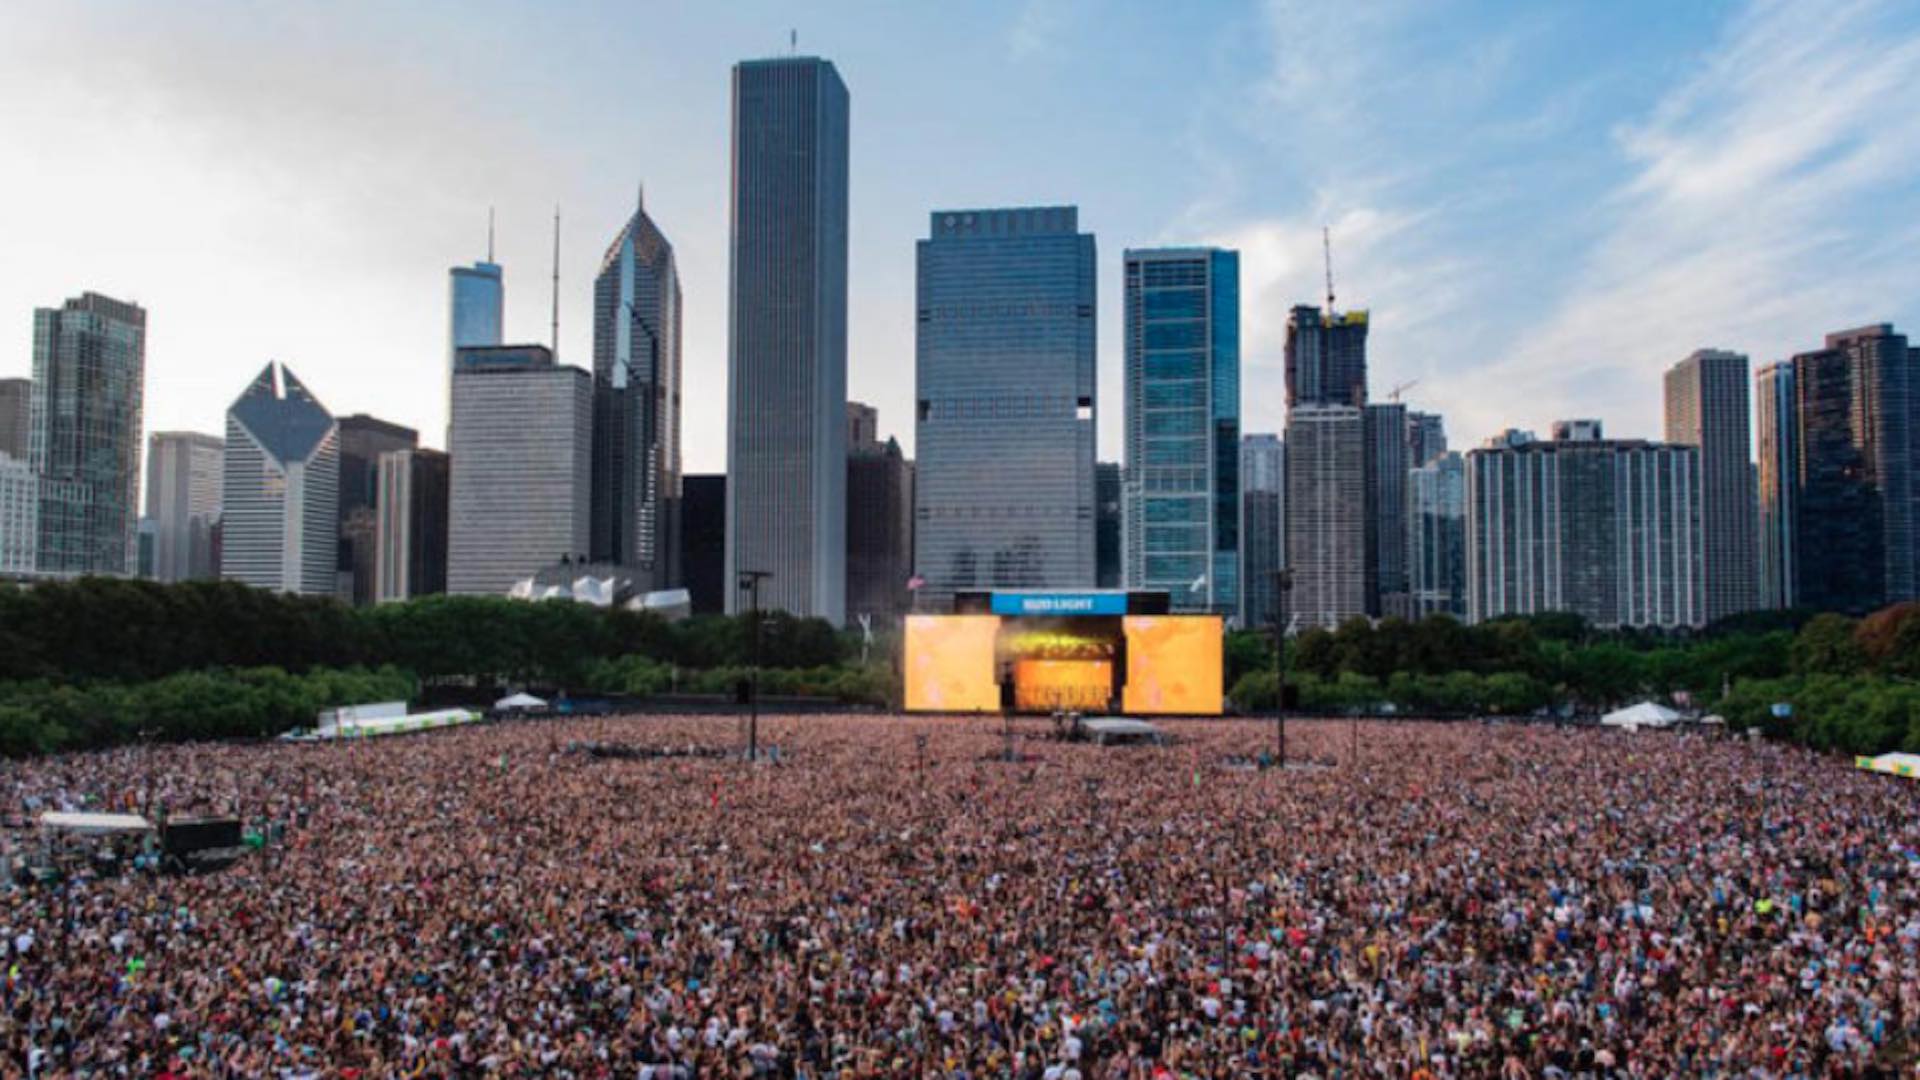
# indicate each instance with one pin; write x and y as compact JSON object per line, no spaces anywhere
{"x":89,"y":379}
{"x":1437,"y":537}
{"x":1326,"y":357}
{"x":787,"y":341}
{"x":1386,"y":487}
{"x":363,"y":439}
{"x":1182,"y":348}
{"x":879,"y":530}
{"x":1777,"y":437}
{"x":1426,"y":438}
{"x":1005,"y":377}
{"x":184,"y":475}
{"x":476,"y":299}
{"x":520,"y":493}
{"x":1706,"y":406}
{"x":1263,"y":518}
{"x":1605,"y":529}
{"x":636,"y":405}
{"x":863,"y":426}
{"x":411,"y":524}
{"x":280,"y":490}
{"x":1326,"y":509}
{"x":19,"y":517}
{"x":703,"y":539}
{"x":16,"y":418}
{"x":1107,"y":516}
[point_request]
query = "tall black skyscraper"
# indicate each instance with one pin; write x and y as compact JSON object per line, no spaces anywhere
{"x":636,"y":405}
{"x":1326,"y":357}
{"x":363,"y":439}
{"x":787,"y":346}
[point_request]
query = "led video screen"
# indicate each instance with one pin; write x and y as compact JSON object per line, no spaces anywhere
{"x":1173,"y":665}
{"x":949,"y":663}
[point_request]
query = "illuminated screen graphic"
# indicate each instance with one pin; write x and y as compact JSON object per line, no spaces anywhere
{"x":1076,"y":685}
{"x":1173,"y":665}
{"x":950,"y":663}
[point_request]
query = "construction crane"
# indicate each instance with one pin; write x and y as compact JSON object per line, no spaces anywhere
{"x":1394,"y":394}
{"x":1326,"y":246}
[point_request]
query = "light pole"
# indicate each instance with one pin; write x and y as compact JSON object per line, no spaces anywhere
{"x":1282,"y":585}
{"x":750,"y":584}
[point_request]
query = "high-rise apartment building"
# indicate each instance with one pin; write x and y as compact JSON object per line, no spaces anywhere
{"x":410,"y":524}
{"x":1005,"y":386}
{"x":636,"y":405}
{"x":787,"y":341}
{"x":280,"y":489}
{"x":184,"y":475}
{"x":1426,"y":438}
{"x":1263,"y":518}
{"x":520,"y":493}
{"x":19,"y":517}
{"x":89,"y":379}
{"x":1386,"y":487}
{"x":1606,"y":529}
{"x":363,"y":440}
{"x":1706,"y":406}
{"x":1777,"y":438}
{"x":1326,"y":357}
{"x":16,"y":418}
{"x":1182,"y":357}
{"x":1326,"y":509}
{"x":1437,"y":537}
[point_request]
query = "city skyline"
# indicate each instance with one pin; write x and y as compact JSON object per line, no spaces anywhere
{"x":1604,"y":163}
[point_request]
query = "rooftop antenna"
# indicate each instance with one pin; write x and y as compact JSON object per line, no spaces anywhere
{"x":489,"y":234}
{"x":1326,"y":246}
{"x":793,"y":42}
{"x":640,"y":203}
{"x":556,"y":280}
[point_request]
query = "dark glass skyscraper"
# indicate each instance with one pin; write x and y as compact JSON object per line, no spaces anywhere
{"x":1386,"y":490}
{"x":1182,"y":344}
{"x":1263,"y":516}
{"x":787,"y":345}
{"x":363,"y":439}
{"x":89,"y":382}
{"x":1326,"y":357}
{"x":1777,"y":437}
{"x":636,"y":405}
{"x":1005,"y":374}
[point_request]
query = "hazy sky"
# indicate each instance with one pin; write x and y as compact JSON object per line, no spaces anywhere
{"x":1544,"y":204}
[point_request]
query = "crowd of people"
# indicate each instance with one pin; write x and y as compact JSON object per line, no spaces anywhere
{"x":893,"y":898}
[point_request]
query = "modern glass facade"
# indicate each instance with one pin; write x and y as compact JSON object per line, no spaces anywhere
{"x":1777,"y":436}
{"x":16,"y":418}
{"x":89,"y":382}
{"x":183,"y":502}
{"x":477,"y":297}
{"x":411,"y":524}
{"x":279,"y":523}
{"x":1326,"y":357}
{"x":1004,"y":369}
{"x":363,"y":440}
{"x":1387,"y":464}
{"x":1437,"y":537}
{"x":1263,"y":518}
{"x":787,"y":346}
{"x":1182,"y":355}
{"x":636,"y":405}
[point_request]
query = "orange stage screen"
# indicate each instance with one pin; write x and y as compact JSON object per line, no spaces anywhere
{"x":950,"y":663}
{"x":1173,"y":665}
{"x":1046,"y":685}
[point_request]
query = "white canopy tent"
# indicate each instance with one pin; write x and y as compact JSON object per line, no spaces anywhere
{"x":1647,"y":714}
{"x":522,"y":700}
{"x":94,"y":824}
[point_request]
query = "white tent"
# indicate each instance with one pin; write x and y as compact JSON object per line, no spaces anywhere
{"x":1647,"y":714}
{"x":95,"y":824}
{"x":521,"y":700}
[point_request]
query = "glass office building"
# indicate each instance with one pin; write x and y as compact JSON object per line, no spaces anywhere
{"x":89,"y":382}
{"x":1004,"y":370}
{"x":1183,"y":426}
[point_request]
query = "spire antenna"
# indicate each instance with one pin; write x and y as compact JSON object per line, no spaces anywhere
{"x":556,"y":280}
{"x":1326,"y":246}
{"x":793,"y":42}
{"x":489,"y":234}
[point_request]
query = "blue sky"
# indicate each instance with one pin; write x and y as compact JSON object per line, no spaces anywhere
{"x":1544,"y":205}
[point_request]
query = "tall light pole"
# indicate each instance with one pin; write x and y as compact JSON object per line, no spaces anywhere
{"x":1282,"y":586}
{"x":750,"y":584}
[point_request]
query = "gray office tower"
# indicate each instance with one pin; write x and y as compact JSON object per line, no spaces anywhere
{"x":89,"y":379}
{"x":1776,"y":437}
{"x":1706,"y":405}
{"x":1182,"y":357}
{"x":183,"y":501}
{"x":16,"y":418}
{"x":1263,"y":518}
{"x":1005,"y":375}
{"x":1426,"y":438}
{"x":1606,"y":529}
{"x":1437,"y":537}
{"x":1107,"y":508}
{"x":636,"y":405}
{"x":279,"y":523}
{"x":1326,"y":510}
{"x":787,"y":342}
{"x":1326,"y":357}
{"x":1386,"y":487}
{"x":520,"y":494}
{"x":363,"y":439}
